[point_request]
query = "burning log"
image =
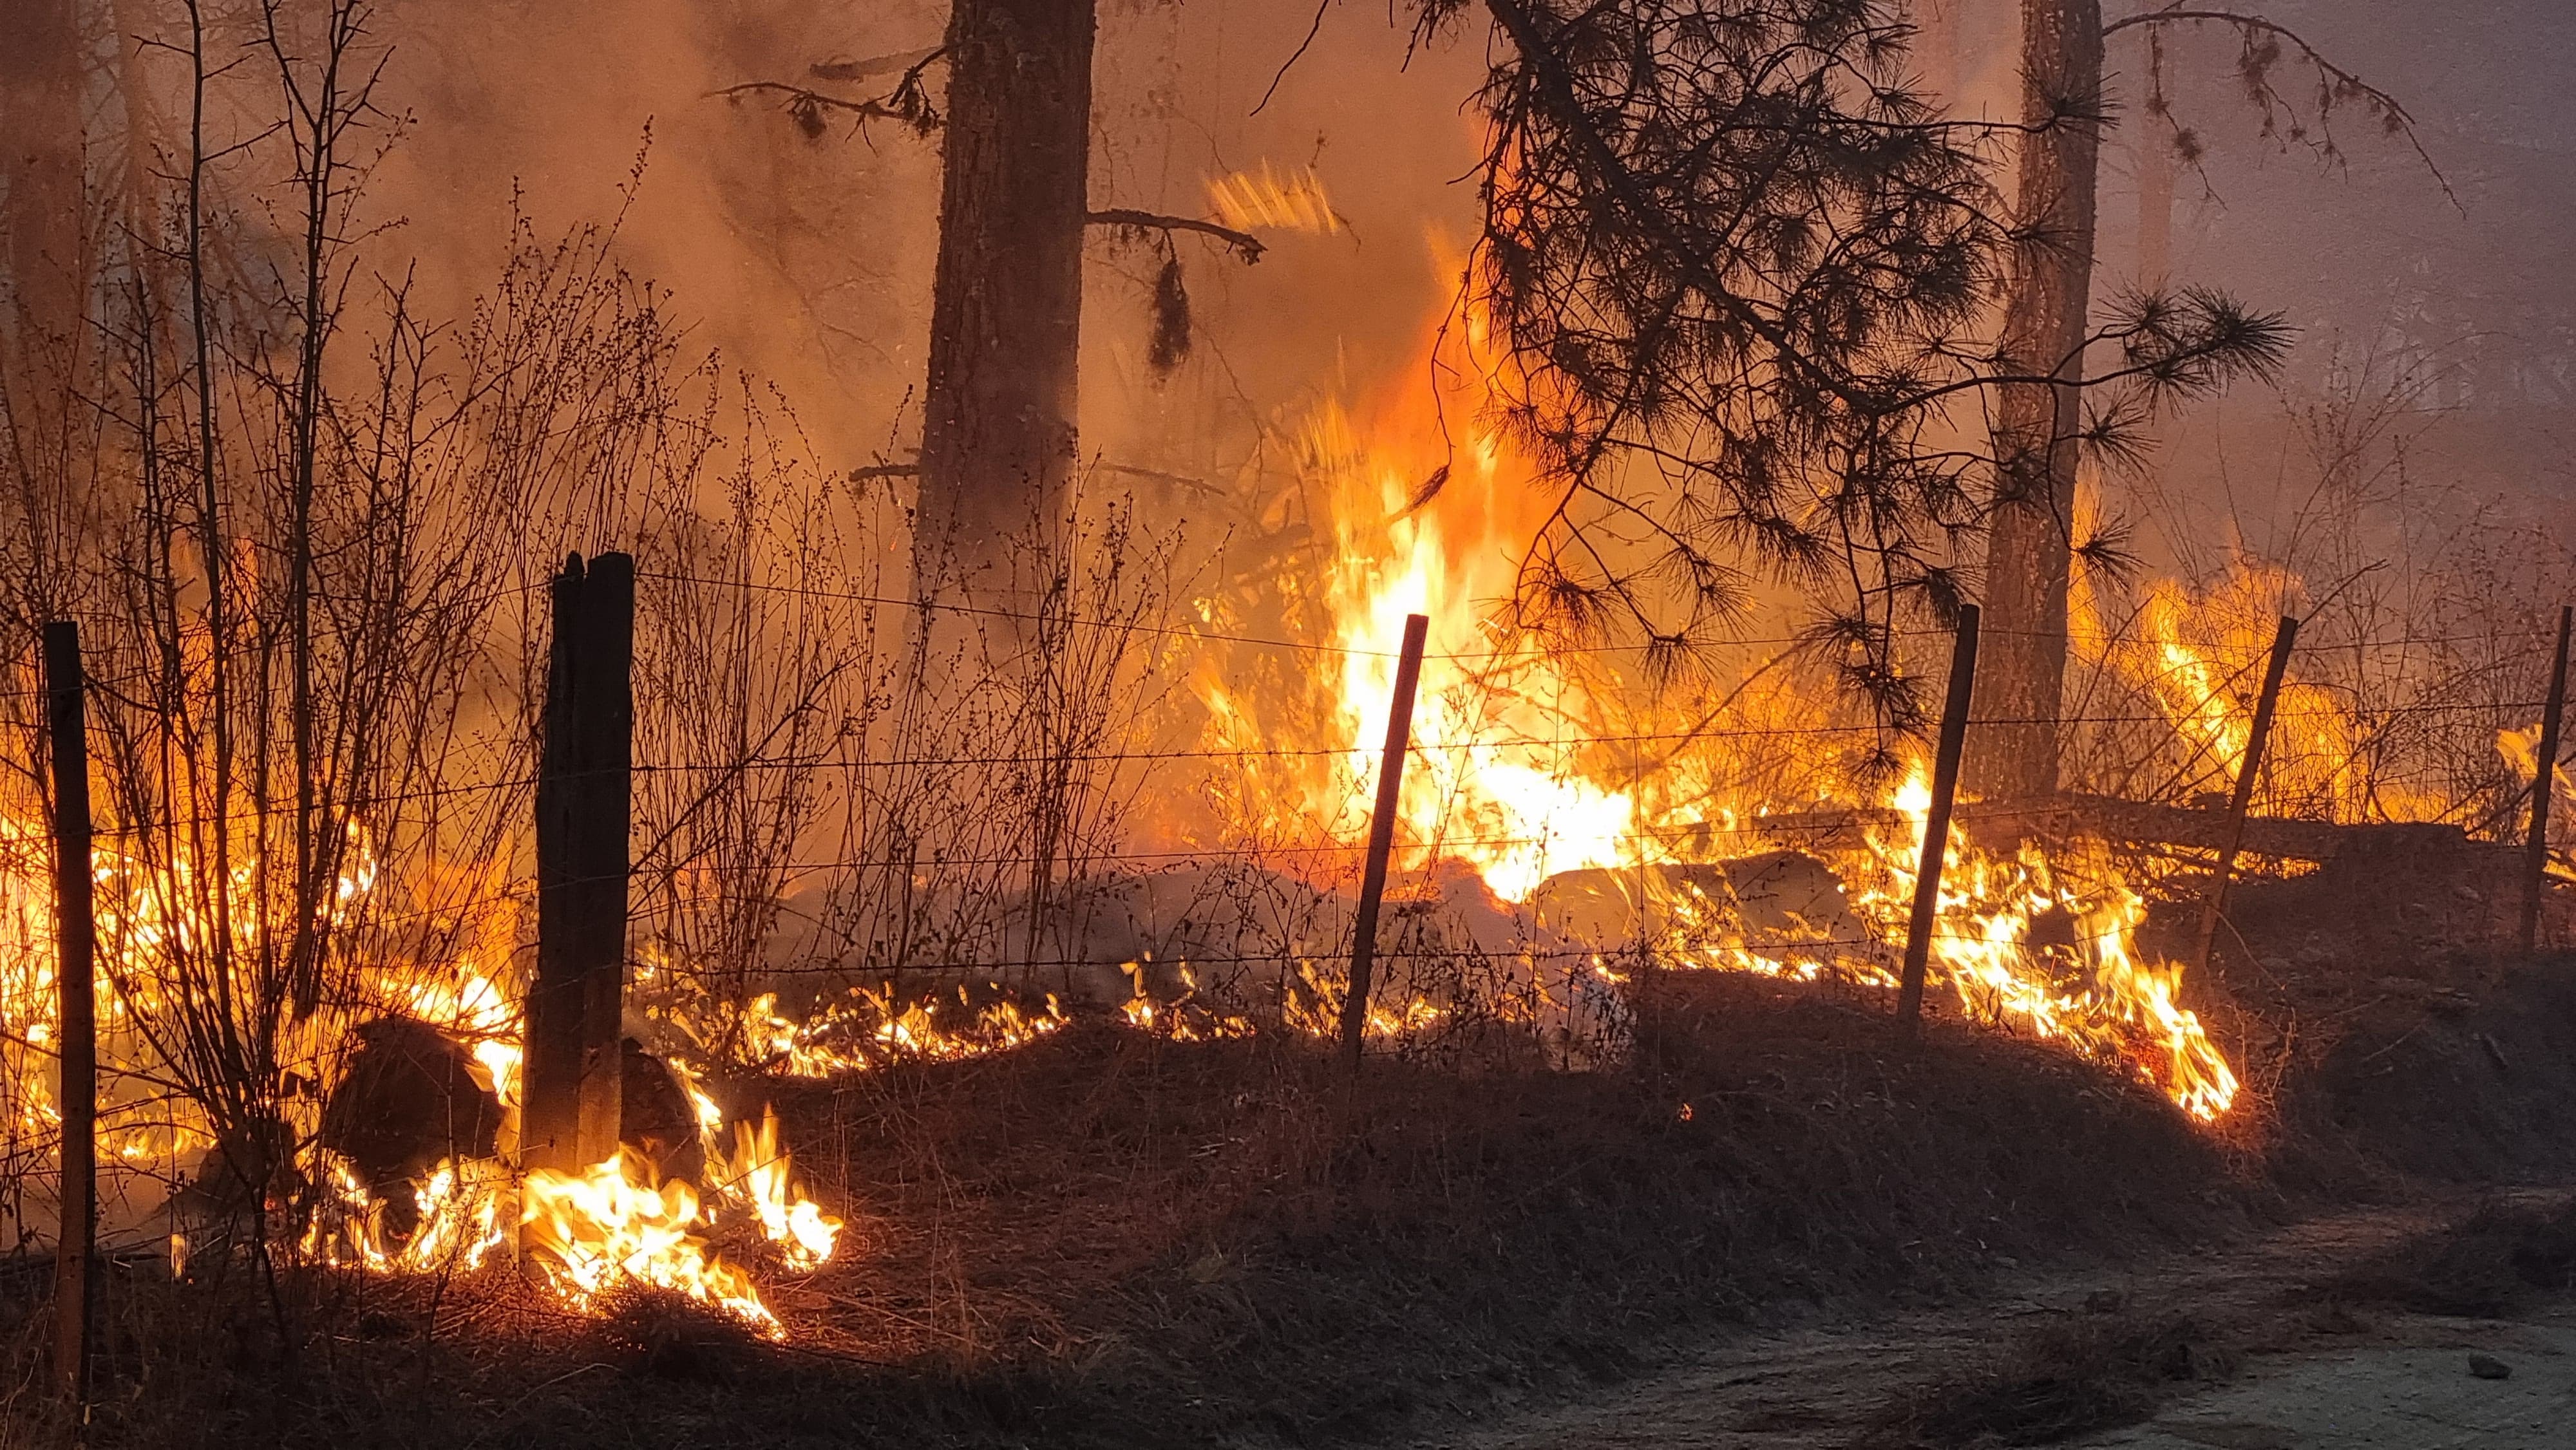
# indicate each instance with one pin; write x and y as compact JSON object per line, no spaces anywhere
{"x":408,"y":1102}
{"x":1775,"y":901}
{"x":2125,"y":822}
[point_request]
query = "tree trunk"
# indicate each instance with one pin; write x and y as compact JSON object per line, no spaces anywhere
{"x":2029,"y":538}
{"x":997,"y":445}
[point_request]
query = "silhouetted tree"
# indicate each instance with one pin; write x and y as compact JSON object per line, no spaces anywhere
{"x":1738,"y":268}
{"x":998,"y":411}
{"x":2030,"y":542}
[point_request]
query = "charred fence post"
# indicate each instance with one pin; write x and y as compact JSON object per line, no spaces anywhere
{"x":2535,"y":871}
{"x":1936,"y":826}
{"x":2241,"y":799}
{"x":76,"y":938}
{"x":1381,"y":842}
{"x":570,"y":1111}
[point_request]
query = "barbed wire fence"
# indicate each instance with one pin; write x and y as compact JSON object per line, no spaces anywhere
{"x":1207,"y":926}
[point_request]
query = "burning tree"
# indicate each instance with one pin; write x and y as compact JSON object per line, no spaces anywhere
{"x":2037,"y":427}
{"x":1741,"y":268}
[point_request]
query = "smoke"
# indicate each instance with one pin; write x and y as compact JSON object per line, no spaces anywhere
{"x":802,"y":259}
{"x":804,"y":253}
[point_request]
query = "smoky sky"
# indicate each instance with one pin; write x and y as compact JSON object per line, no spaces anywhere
{"x":807,"y":258}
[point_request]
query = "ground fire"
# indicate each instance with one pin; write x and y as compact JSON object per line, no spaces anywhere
{"x":1013,"y":722}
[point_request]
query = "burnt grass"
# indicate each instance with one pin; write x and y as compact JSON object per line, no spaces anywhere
{"x":1116,"y":1240}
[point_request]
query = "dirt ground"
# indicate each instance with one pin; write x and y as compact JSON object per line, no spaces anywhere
{"x":2280,"y":1342}
{"x":2415,"y":1393}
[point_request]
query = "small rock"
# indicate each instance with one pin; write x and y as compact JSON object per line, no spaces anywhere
{"x":2104,"y":1301}
{"x":2488,"y":1367}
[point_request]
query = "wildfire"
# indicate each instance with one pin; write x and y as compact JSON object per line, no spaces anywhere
{"x":602,"y":1228}
{"x":1429,"y":507}
{"x":2197,"y":656}
{"x":2087,"y":987}
{"x":587,"y":1232}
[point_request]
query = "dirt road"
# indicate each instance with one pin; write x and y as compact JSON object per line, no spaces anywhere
{"x":2286,"y":1366}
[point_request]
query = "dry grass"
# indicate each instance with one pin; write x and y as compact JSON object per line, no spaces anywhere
{"x":1109,"y":1239}
{"x":2501,"y":1258}
{"x":1116,"y":1240}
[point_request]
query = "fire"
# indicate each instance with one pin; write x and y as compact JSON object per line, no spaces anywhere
{"x":1429,"y":507}
{"x":2198,"y":656}
{"x":614,"y":1222}
{"x":2089,"y":988}
{"x":604,"y":1227}
{"x":1422,"y":527}
{"x":460,"y":1223}
{"x":757,"y":1174}
{"x":618,"y":1222}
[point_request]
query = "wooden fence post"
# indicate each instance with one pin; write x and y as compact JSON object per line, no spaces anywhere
{"x":2241,"y":799}
{"x":76,"y":938}
{"x":1936,"y":826}
{"x":2535,"y":872}
{"x":575,"y":1071}
{"x":1381,"y":842}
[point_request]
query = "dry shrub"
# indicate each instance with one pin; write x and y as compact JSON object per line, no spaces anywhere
{"x":2059,"y":1382}
{"x":2501,"y":1257}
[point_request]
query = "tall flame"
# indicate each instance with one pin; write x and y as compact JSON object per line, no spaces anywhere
{"x":1430,"y":509}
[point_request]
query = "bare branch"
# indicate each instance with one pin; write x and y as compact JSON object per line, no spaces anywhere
{"x":1250,"y":246}
{"x":2337,"y":82}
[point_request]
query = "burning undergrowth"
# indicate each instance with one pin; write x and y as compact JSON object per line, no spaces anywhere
{"x":1030,"y":920}
{"x":1118,"y":1238}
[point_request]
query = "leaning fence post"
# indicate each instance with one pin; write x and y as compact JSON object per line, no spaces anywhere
{"x":76,"y":948}
{"x":2241,"y":799}
{"x":1936,"y":826}
{"x":1381,"y":842}
{"x":570,"y":1110}
{"x":2535,"y":871}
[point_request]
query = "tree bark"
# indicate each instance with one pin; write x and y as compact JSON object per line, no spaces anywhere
{"x":2029,"y":538}
{"x":997,"y":446}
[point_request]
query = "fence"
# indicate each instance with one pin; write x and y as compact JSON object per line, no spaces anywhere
{"x":1008,"y":892}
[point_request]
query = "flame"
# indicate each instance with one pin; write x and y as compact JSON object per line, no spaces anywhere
{"x":602,"y":1228}
{"x":757,"y":1173}
{"x":1429,"y":507}
{"x":2199,"y":656}
{"x":2521,"y":752}
{"x":616,"y":1223}
{"x":2091,"y":990}
{"x":460,"y":1223}
{"x":589,"y":1231}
